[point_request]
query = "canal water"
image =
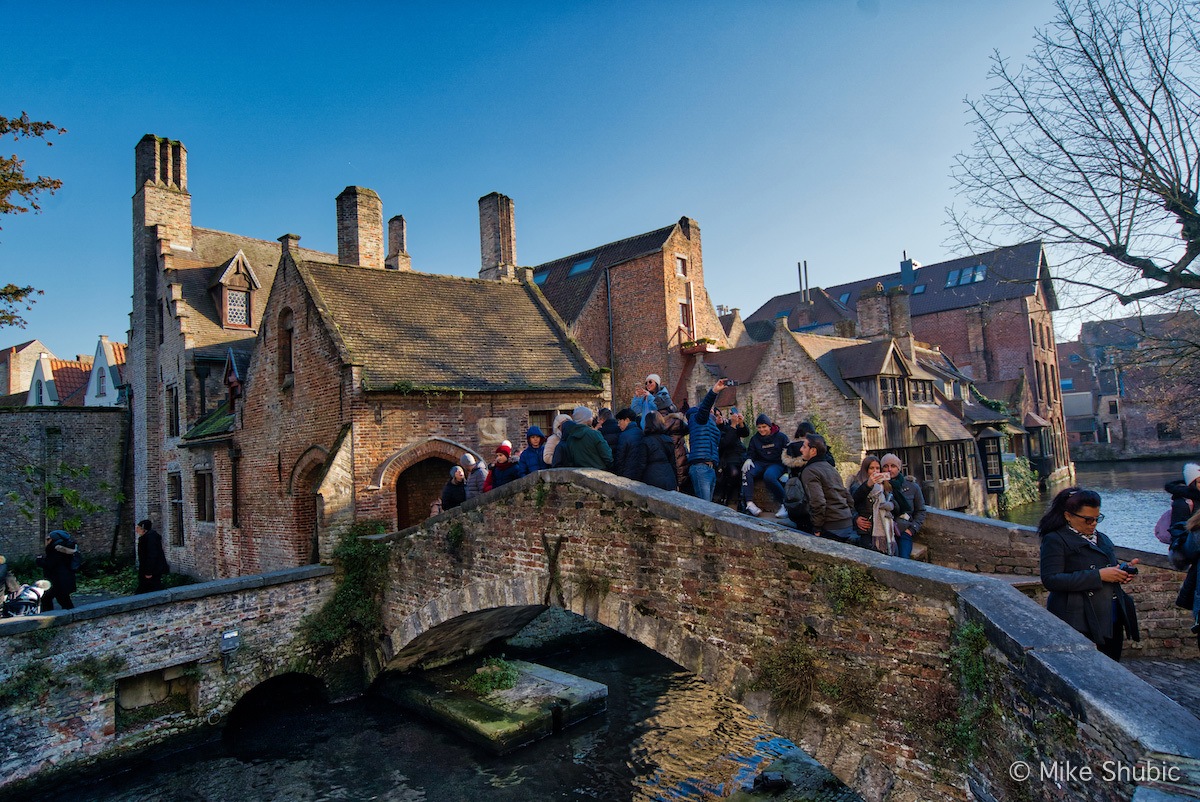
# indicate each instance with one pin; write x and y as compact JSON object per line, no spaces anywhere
{"x":666,"y":736}
{"x":1131,"y":495}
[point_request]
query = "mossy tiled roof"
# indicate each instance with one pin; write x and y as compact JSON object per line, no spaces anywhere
{"x":414,"y":331}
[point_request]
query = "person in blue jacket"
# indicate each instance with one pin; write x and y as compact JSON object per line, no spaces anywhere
{"x":704,"y":445}
{"x":530,"y":460}
{"x":651,"y":397}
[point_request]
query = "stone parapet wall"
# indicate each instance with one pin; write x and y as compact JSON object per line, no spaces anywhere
{"x":979,"y":545}
{"x":76,"y":667}
{"x":723,"y":595}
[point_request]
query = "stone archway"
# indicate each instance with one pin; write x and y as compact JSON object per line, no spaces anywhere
{"x":417,"y":488}
{"x":308,"y":508}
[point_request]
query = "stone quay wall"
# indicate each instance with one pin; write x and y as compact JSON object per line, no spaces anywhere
{"x":979,"y":545}
{"x":99,"y":681}
{"x":887,"y":645}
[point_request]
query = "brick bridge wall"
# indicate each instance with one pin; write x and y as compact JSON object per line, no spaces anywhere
{"x":168,"y":646}
{"x":717,"y":592}
{"x":996,"y":547}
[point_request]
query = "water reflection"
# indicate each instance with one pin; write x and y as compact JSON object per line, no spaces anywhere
{"x":666,"y":736}
{"x":1132,"y":498}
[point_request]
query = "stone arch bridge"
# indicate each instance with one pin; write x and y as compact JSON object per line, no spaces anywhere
{"x":892,"y":647}
{"x":719,"y":593}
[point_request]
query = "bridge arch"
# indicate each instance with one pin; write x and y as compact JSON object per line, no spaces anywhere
{"x":288,"y":689}
{"x":464,"y":620}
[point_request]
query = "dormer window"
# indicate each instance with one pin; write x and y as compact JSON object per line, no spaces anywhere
{"x":892,"y":391}
{"x":233,"y":289}
{"x":921,"y":390}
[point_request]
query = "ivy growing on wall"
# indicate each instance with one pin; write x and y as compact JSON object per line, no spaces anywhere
{"x":352,"y":618}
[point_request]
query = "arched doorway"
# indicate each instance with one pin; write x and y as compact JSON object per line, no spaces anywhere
{"x":416,"y":489}
{"x":308,"y":516}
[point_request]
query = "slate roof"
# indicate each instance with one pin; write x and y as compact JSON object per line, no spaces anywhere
{"x":483,"y":336}
{"x":14,"y":399}
{"x":195,"y":271}
{"x":568,"y":294}
{"x":71,"y":380}
{"x":1012,"y":272}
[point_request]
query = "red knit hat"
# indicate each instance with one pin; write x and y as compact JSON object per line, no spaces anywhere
{"x":505,"y":449}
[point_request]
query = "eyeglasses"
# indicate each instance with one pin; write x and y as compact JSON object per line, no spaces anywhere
{"x":1087,"y":519}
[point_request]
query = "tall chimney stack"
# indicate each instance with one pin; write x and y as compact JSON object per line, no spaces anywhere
{"x":497,"y":238}
{"x":360,"y":227}
{"x":398,"y":258}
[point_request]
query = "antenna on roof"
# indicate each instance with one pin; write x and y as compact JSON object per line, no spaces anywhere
{"x":807,"y":286}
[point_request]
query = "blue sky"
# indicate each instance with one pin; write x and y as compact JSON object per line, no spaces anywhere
{"x":812,"y":129}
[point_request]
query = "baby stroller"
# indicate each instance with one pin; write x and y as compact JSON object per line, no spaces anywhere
{"x":27,"y":600}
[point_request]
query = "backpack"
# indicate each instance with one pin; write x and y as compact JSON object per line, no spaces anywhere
{"x":1185,"y":546}
{"x":1162,"y":529}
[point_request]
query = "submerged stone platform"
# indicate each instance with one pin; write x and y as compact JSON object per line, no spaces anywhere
{"x":542,"y":702}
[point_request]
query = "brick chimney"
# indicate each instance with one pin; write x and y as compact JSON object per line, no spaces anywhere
{"x":874,"y":314}
{"x":398,"y":258}
{"x":160,"y":189}
{"x":497,"y":238}
{"x":360,"y":227}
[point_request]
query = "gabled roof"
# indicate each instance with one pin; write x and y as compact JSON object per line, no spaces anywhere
{"x":482,"y":336}
{"x":568,"y":294}
{"x":1012,"y":272}
{"x":234,"y":265}
{"x":863,"y":360}
{"x":71,"y":380}
{"x":212,"y":253}
{"x":739,"y":364}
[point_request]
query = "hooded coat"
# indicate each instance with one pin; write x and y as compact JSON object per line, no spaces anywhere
{"x":530,"y":460}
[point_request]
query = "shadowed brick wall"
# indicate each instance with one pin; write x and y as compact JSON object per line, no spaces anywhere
{"x":81,"y":437}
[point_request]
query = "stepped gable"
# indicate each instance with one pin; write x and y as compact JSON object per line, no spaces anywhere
{"x":195,"y":271}
{"x":425,"y":331}
{"x":568,"y":294}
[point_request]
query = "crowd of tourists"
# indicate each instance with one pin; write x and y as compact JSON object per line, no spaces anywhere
{"x":711,"y":454}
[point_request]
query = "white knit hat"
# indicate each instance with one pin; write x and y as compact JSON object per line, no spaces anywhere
{"x":654,"y":377}
{"x":1191,"y":472}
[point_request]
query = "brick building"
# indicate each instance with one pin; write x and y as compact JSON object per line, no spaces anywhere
{"x":991,"y":314}
{"x":636,"y":304}
{"x":279,"y":394}
{"x":1120,"y":382}
{"x":16,"y":370}
{"x":879,"y":395}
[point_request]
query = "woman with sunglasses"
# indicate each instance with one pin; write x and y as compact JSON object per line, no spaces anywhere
{"x":1080,"y":569}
